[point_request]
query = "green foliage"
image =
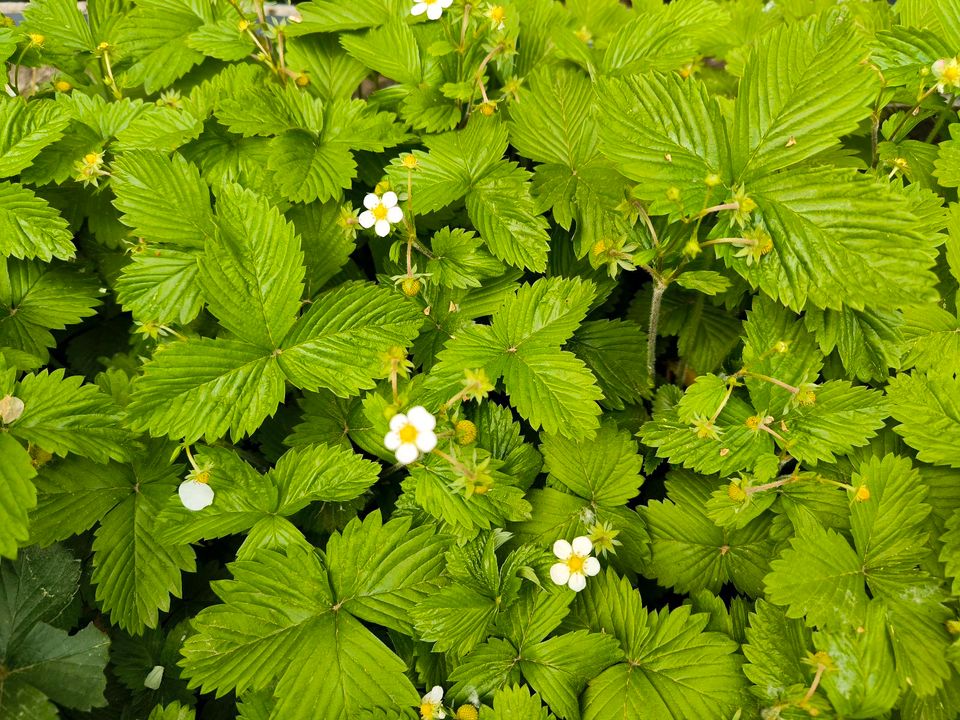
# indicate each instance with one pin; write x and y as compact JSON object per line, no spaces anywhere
{"x":330,"y":333}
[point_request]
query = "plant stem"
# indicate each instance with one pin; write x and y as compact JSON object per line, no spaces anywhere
{"x":779,"y":383}
{"x":655,"y":301}
{"x":771,"y":485}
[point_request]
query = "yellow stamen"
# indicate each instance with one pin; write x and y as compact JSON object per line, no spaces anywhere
{"x":408,"y":434}
{"x":380,"y":212}
{"x":575,"y":563}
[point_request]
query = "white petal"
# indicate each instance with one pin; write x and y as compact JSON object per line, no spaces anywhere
{"x":154,"y":678}
{"x":11,"y":408}
{"x":446,"y":3}
{"x":559,"y":573}
{"x":407,"y":453}
{"x":578,"y":581}
{"x":419,"y":9}
{"x":398,"y":421}
{"x":562,"y":549}
{"x":389,"y":199}
{"x":421,"y":419}
{"x":394,"y":215}
{"x":435,"y":695}
{"x":370,"y":201}
{"x":440,"y":714}
{"x":434,"y":11}
{"x":194,"y":495}
{"x":426,"y":440}
{"x":392,"y":440}
{"x":382,"y":228}
{"x":591,"y":566}
{"x":938,"y":67}
{"x":367,"y":219}
{"x":582,"y":545}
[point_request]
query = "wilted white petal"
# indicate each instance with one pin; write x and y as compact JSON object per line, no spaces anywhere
{"x":434,"y":11}
{"x":426,"y":440}
{"x":11,"y":408}
{"x":370,"y":201}
{"x":367,"y":219}
{"x":419,"y":9}
{"x":440,"y":714}
{"x":195,"y":495}
{"x":407,"y":453}
{"x":382,"y":228}
{"x":582,"y":545}
{"x":560,"y":573}
{"x":154,"y":678}
{"x":398,"y":421}
{"x":394,"y":214}
{"x":591,"y":566}
{"x":389,"y":199}
{"x":392,"y":440}
{"x":421,"y":419}
{"x":578,"y":581}
{"x":562,"y":549}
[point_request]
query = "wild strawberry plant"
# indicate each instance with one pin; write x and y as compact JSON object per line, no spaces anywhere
{"x":506,"y":361}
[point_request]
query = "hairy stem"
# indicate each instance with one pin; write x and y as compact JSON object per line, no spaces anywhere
{"x":655,"y":301}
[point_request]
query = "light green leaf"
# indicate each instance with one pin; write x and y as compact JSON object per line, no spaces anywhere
{"x":161,"y":286}
{"x":17,"y":495}
{"x":381,"y":570}
{"x":931,"y":337}
{"x":64,"y":30}
{"x":223,"y":40}
{"x":277,"y":620}
{"x":27,"y":128}
{"x":63,"y":415}
{"x":391,"y":50}
{"x":163,"y":199}
{"x":604,"y":470}
{"x":803,"y":89}
{"x":514,"y":702}
{"x":252,"y":269}
{"x":667,"y":134}
{"x":928,"y":410}
{"x":775,"y":648}
{"x":30,"y":228}
{"x":206,"y":388}
{"x":459,"y":260}
{"x":337,"y":343}
{"x":327,"y":16}
{"x":868,"y":341}
{"x":270,"y":110}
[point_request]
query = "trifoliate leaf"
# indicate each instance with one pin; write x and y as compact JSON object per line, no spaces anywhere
{"x":382,"y":570}
{"x":673,"y":668}
{"x":279,"y":619}
{"x":690,"y":552}
{"x":391,"y":50}
{"x":459,"y":260}
{"x":30,"y":228}
{"x":604,"y":470}
{"x":270,"y":110}
{"x":25,"y":129}
{"x":819,"y":578}
{"x":928,"y":409}
{"x":331,"y":71}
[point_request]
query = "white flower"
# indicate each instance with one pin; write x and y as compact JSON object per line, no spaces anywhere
{"x":576,"y":563}
{"x":195,"y":495}
{"x":411,"y":434}
{"x":381,"y":212}
{"x":431,"y":705}
{"x":946,"y":71}
{"x":433,"y":8}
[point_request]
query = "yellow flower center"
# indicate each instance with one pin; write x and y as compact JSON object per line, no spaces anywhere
{"x":36,"y":38}
{"x":428,"y":710}
{"x":575,"y":563}
{"x":497,"y":13}
{"x":862,"y":494}
{"x":951,"y":73}
{"x":63,"y":85}
{"x":408,"y":434}
{"x":202,"y":477}
{"x":380,"y":212}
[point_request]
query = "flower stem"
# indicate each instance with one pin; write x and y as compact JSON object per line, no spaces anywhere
{"x":656,"y":300}
{"x":779,"y":383}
